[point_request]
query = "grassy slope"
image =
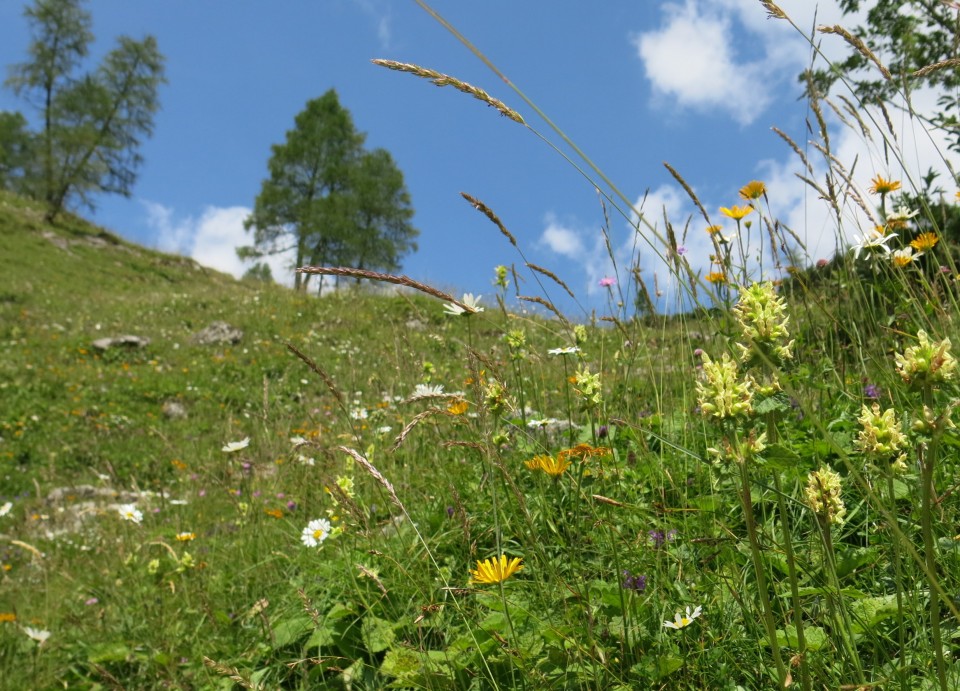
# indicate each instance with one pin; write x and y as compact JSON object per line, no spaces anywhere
{"x":72,"y":416}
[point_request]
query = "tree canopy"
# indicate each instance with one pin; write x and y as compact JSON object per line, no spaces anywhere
{"x":329,"y":199}
{"x":91,"y":125}
{"x":917,"y":43}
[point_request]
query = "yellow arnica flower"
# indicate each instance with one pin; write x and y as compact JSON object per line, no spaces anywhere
{"x":186,"y":537}
{"x":583,"y":451}
{"x":753,"y":190}
{"x":552,"y":466}
{"x":881,"y":186}
{"x":924,"y":242}
{"x":7,"y":616}
{"x":713,"y":230}
{"x":495,"y":570}
{"x":458,"y":407}
{"x":736,"y":212}
{"x":716,"y":277}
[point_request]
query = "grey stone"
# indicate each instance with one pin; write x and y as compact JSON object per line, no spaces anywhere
{"x":218,"y":332}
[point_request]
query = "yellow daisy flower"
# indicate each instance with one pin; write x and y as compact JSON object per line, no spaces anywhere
{"x":458,"y":407}
{"x":495,"y":570}
{"x":713,"y":230}
{"x":736,"y":212}
{"x":716,"y":277}
{"x":924,"y":242}
{"x":552,"y":466}
{"x":882,"y":186}
{"x":753,"y":190}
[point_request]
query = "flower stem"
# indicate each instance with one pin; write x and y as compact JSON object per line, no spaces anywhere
{"x":755,"y":553}
{"x":927,"y":465}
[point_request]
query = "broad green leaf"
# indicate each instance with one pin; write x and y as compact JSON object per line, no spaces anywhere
{"x":290,"y":630}
{"x":378,"y":634}
{"x":117,"y":651}
{"x":814,"y":636}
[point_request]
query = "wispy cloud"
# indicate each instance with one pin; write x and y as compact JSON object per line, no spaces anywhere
{"x":380,"y":12}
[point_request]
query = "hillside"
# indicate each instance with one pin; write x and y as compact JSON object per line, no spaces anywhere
{"x":434,"y":499}
{"x":73,"y":411}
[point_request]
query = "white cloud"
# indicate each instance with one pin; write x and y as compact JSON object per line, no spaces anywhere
{"x":212,"y":239}
{"x":690,"y":59}
{"x":561,"y":239}
{"x":697,"y":60}
{"x":585,"y":248}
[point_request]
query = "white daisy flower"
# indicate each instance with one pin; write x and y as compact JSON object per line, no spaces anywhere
{"x":316,"y":532}
{"x":39,"y":635}
{"x":681,"y":621}
{"x":470,"y":305}
{"x":873,"y":240}
{"x":569,"y":350}
{"x":234,"y":446}
{"x":5,"y":509}
{"x":426,"y":391}
{"x":129,"y":512}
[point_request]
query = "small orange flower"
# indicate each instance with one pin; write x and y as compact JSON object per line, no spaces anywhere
{"x":276,"y":513}
{"x":924,"y":242}
{"x":716,"y":277}
{"x":753,"y":190}
{"x":7,"y":616}
{"x":881,"y":186}
{"x":736,"y":212}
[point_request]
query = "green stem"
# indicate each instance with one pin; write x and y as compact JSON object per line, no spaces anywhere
{"x":791,"y":563}
{"x":899,"y":585}
{"x":755,"y":553}
{"x":835,"y":598}
{"x":794,"y":584}
{"x":927,"y":465}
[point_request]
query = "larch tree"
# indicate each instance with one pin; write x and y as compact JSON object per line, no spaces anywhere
{"x":328,"y":200}
{"x":92,"y":124}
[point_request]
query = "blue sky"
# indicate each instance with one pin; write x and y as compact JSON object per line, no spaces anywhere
{"x":695,"y":83}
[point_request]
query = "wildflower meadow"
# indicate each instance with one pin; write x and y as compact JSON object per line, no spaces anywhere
{"x":754,"y":487}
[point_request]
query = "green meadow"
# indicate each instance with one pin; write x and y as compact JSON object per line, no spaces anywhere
{"x":399,"y":486}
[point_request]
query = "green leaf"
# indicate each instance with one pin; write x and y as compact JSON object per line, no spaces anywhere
{"x":320,"y":637}
{"x":869,"y":612}
{"x":781,"y":456}
{"x":668,"y":664}
{"x":116,"y":651}
{"x":291,"y":630}
{"x":378,"y":634}
{"x":815,"y":638}
{"x":777,"y":403}
{"x":853,"y":559}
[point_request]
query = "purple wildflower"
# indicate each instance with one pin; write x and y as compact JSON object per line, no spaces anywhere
{"x":636,"y":583}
